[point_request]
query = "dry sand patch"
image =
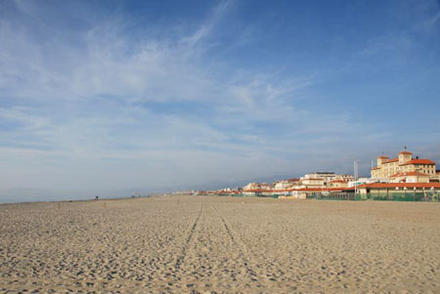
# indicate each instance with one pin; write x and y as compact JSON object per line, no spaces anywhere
{"x":220,"y":245}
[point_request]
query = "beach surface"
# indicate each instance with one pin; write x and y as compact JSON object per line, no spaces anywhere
{"x":188,"y":244}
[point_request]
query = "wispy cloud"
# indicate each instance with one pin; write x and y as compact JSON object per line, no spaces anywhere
{"x":97,"y":105}
{"x":209,"y":25}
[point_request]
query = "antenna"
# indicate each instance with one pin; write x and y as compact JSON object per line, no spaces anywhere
{"x":356,"y":175}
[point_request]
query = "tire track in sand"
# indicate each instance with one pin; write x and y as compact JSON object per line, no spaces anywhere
{"x":182,"y":255}
{"x":241,"y":249}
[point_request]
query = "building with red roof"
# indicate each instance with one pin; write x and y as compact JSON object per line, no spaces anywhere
{"x":338,"y":183}
{"x":390,"y":189}
{"x":387,"y":169}
{"x":410,"y":177}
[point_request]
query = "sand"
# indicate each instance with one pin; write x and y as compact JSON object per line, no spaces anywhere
{"x":193,"y":244}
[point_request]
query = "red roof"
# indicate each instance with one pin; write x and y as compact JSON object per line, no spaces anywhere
{"x":400,"y":185}
{"x":338,"y":181}
{"x":384,"y":157}
{"x":419,"y":161}
{"x":392,"y":160}
{"x":299,"y":189}
{"x":413,"y":173}
{"x":405,"y":152}
{"x":324,"y":189}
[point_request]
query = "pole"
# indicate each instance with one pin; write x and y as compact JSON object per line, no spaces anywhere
{"x":355,"y":177}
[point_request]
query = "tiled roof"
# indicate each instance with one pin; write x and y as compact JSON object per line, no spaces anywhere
{"x":299,"y":189}
{"x":338,"y":181}
{"x":419,"y":161}
{"x":405,"y":152}
{"x":392,"y":160}
{"x":413,"y":173}
{"x":324,"y":189}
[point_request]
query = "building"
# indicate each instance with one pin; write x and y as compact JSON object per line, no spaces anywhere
{"x":325,"y":179}
{"x":308,"y":182}
{"x":345,"y":178}
{"x":326,"y":176}
{"x":361,"y":181}
{"x":286,"y":184}
{"x":315,"y":182}
{"x":437,"y":178}
{"x":388,"y":190}
{"x":410,"y":177}
{"x":253,"y":189}
{"x":338,"y":183}
{"x":257,"y":186}
{"x":387,"y":169}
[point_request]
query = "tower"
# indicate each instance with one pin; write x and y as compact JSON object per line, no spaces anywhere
{"x":404,"y":156}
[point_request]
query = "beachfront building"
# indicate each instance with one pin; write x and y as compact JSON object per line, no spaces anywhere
{"x":325,"y":179}
{"x":437,"y":178}
{"x":317,"y":182}
{"x":344,"y":177}
{"x":257,"y":186}
{"x":326,"y":176}
{"x":309,"y":182}
{"x":316,"y":179}
{"x":388,"y":169}
{"x":286,"y":184}
{"x":361,"y":181}
{"x":253,"y":189}
{"x":410,"y":177}
{"x":338,"y":183}
{"x":391,"y":189}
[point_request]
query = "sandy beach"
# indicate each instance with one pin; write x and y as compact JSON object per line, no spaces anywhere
{"x":186,"y":244}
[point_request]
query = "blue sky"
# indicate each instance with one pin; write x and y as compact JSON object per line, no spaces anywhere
{"x":110,"y":97}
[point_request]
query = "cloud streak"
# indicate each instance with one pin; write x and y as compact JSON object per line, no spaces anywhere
{"x":96,"y":106}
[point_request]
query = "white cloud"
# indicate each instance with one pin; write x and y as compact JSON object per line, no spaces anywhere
{"x":90,"y":119}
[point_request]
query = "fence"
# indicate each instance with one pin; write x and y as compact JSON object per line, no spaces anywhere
{"x":332,"y":196}
{"x":427,"y":196}
{"x":395,"y":196}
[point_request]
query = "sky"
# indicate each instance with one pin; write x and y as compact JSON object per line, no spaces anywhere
{"x":115,"y":97}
